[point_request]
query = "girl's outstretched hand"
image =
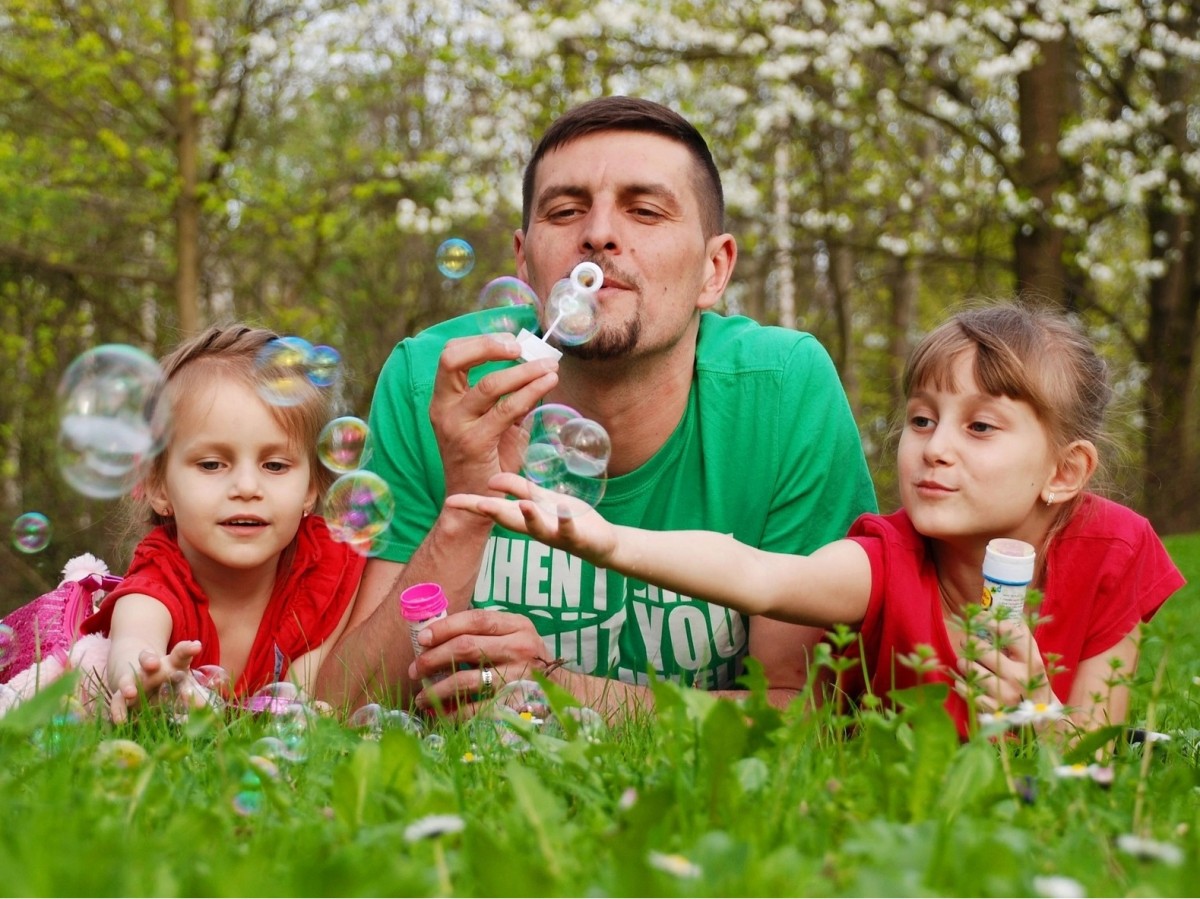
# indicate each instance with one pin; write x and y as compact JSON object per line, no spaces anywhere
{"x":563,"y":522}
{"x":152,"y":671}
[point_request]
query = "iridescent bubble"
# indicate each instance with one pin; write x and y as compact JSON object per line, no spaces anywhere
{"x":586,"y":447}
{"x":123,"y":755}
{"x":283,"y":371}
{"x":565,"y":455}
{"x":358,"y":507}
{"x":276,"y":698}
{"x":502,"y":302}
{"x":367,"y":718}
{"x":526,"y":698}
{"x":344,"y":444}
{"x":31,"y":532}
{"x":323,"y":366}
{"x":8,"y":644}
{"x":589,"y":723}
{"x":455,"y":258}
{"x":435,"y":743}
{"x":571,"y":314}
{"x":110,"y":420}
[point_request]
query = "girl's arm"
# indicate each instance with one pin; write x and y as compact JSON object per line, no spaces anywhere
{"x":1100,"y":694}
{"x":138,"y":663}
{"x":831,"y":586}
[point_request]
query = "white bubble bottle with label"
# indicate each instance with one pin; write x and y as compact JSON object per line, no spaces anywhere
{"x":1007,"y":573}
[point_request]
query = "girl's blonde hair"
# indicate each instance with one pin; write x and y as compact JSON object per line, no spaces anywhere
{"x":1032,"y":353}
{"x":232,"y":350}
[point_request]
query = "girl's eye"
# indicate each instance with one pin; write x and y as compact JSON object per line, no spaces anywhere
{"x":275,"y":466}
{"x":981,"y":427}
{"x":210,"y":465}
{"x":921,"y":421}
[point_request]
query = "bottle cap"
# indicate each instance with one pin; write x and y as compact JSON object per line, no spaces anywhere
{"x":422,"y":601}
{"x":1008,"y":561}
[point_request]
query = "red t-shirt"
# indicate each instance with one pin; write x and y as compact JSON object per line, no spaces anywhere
{"x":1105,"y":572}
{"x":304,"y":609}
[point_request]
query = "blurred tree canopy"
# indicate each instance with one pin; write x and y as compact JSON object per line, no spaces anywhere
{"x":170,"y":164}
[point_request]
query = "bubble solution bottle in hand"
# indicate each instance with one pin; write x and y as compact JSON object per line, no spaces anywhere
{"x":421,"y":605}
{"x":1007,"y":573}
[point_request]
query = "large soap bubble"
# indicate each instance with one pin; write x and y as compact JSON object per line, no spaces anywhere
{"x":501,"y":301}
{"x":344,"y":444}
{"x":358,"y":508}
{"x":111,"y":421}
{"x":565,"y":455}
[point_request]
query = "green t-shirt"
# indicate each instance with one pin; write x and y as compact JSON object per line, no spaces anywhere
{"x":767,"y":451}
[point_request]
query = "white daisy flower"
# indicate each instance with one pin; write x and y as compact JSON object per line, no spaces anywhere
{"x":433,"y":826}
{"x":676,"y":864}
{"x":1057,"y":887}
{"x":1150,"y":850}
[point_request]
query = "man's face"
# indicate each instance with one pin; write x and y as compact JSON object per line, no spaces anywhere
{"x":627,"y":201}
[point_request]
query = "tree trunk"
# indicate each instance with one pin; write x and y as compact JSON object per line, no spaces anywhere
{"x":187,"y":207}
{"x":1038,"y":245}
{"x":1172,"y":479}
{"x":784,"y":242}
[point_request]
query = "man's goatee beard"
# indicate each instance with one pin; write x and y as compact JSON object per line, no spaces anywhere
{"x":607,"y":344}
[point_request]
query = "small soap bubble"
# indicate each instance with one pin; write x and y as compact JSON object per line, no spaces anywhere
{"x":590,"y":724}
{"x":31,"y":532}
{"x":504,"y":302}
{"x":571,"y":317}
{"x":455,"y":258}
{"x":323,"y":366}
{"x":526,"y":698}
{"x":368,"y":718}
{"x":344,"y":444}
{"x":283,"y":368}
{"x":111,"y":421}
{"x":358,"y":507}
{"x":435,"y":743}
{"x":248,"y":802}
{"x":276,"y":698}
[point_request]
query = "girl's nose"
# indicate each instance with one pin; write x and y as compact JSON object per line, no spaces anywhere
{"x":939,"y":448}
{"x":247,"y":483}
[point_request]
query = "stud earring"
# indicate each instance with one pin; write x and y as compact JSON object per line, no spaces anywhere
{"x":1050,"y":498}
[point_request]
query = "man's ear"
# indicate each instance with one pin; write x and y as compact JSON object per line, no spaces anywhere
{"x":1073,"y":472}
{"x":722,"y":256}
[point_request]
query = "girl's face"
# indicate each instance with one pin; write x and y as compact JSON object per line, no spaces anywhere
{"x":973,"y":466}
{"x":236,"y":485}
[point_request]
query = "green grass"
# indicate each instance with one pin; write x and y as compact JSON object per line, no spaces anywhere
{"x":703,"y":798}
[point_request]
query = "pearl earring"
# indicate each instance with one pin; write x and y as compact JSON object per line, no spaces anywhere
{"x":1050,"y":498}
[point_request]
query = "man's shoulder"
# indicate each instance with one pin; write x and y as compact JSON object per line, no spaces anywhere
{"x":730,"y":337}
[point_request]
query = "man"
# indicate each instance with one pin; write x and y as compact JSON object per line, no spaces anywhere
{"x":716,"y":423}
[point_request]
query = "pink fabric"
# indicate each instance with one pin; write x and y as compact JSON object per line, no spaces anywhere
{"x":1105,"y":572}
{"x":311,"y":594}
{"x":47,"y":627}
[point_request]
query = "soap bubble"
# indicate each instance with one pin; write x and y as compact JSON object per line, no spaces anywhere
{"x":31,"y":532}
{"x":565,"y":455}
{"x":571,"y":314}
{"x":110,"y":420}
{"x":526,"y":698}
{"x":358,"y":507}
{"x":344,"y":444}
{"x":455,"y":258}
{"x":283,"y":371}
{"x":278,"y":698}
{"x":502,"y":302}
{"x":324,"y":364}
{"x":586,"y":447}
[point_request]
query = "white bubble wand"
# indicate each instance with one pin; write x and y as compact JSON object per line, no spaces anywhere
{"x":586,"y":277}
